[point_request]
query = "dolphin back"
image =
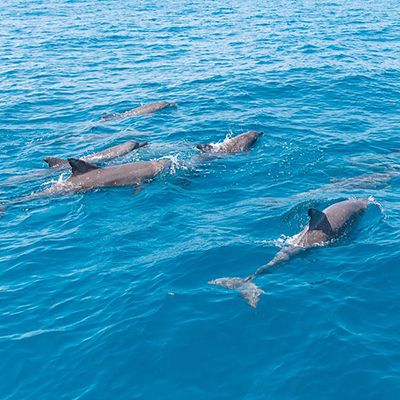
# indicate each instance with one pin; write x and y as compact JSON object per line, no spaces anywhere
{"x":343,"y":213}
{"x":235,"y":144}
{"x":141,"y":110}
{"x":54,"y":162}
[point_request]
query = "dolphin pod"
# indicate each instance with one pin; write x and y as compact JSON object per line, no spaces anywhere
{"x":86,"y":175}
{"x":323,"y":227}
{"x":142,"y":110}
{"x":104,"y":155}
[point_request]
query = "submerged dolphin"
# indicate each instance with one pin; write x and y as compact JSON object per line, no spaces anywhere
{"x":236,"y":144}
{"x":105,"y":155}
{"x":323,"y":227}
{"x":142,"y":110}
{"x":86,"y":176}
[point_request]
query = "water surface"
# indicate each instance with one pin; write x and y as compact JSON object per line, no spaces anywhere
{"x":104,"y":295}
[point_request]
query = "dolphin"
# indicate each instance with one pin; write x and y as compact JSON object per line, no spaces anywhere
{"x":236,"y":144}
{"x":105,"y":155}
{"x":323,"y":227}
{"x":86,"y":176}
{"x":142,"y":110}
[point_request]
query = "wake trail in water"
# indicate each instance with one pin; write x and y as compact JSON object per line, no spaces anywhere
{"x":29,"y":177}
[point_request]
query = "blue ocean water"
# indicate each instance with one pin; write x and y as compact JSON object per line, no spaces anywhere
{"x":104,"y":295}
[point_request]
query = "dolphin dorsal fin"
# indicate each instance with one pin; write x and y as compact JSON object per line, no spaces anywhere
{"x":80,"y":167}
{"x":318,"y":221}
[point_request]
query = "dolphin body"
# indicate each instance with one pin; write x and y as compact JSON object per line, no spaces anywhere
{"x":142,"y":110}
{"x":323,"y":227}
{"x":86,"y":176}
{"x":242,"y":142}
{"x":105,"y":155}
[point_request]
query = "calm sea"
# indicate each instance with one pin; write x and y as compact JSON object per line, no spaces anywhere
{"x":104,"y":295}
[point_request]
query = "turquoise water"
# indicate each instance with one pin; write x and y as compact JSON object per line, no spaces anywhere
{"x":104,"y":295}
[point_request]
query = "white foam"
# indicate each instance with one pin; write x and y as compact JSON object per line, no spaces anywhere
{"x":282,"y":241}
{"x":175,"y":163}
{"x":216,"y":146}
{"x":372,"y":200}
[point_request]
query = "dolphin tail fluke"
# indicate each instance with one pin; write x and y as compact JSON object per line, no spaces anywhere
{"x":246,"y":288}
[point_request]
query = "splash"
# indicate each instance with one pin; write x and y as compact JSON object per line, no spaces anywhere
{"x":58,"y":181}
{"x":56,"y":185}
{"x":372,"y":200}
{"x":217,"y":146}
{"x":282,"y":241}
{"x":175,"y":163}
{"x":61,"y":179}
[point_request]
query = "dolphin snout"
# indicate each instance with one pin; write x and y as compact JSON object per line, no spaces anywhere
{"x":142,"y":144}
{"x":136,"y":145}
{"x":259,"y":134}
